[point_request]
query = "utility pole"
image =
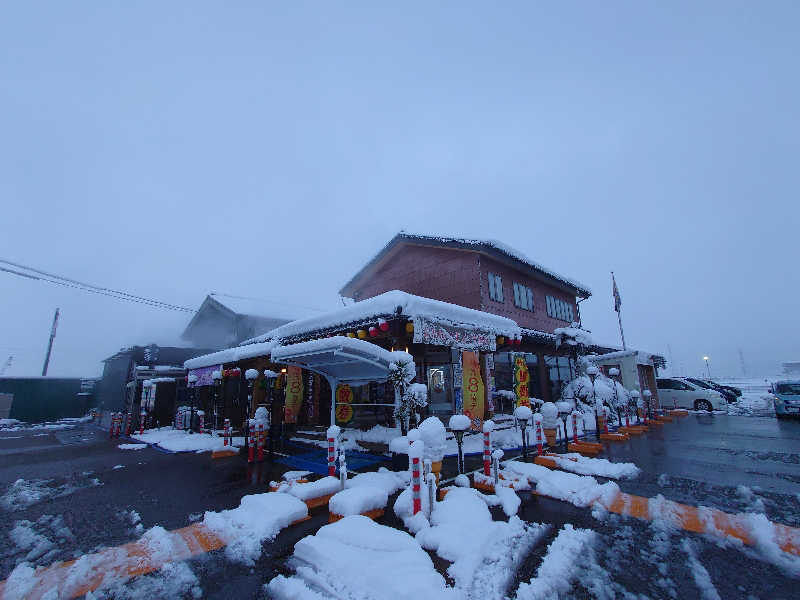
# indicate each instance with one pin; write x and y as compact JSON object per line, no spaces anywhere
{"x":741,"y":360}
{"x":50,"y":344}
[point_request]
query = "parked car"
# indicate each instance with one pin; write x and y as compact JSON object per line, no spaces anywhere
{"x":674,"y":391}
{"x":786,"y":398}
{"x":719,"y":387}
{"x":710,"y":385}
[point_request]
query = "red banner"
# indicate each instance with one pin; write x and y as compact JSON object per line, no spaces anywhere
{"x":344,"y":397}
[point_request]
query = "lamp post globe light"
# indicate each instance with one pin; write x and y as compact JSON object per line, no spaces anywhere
{"x":564,"y":411}
{"x":708,"y":369}
{"x":191,"y":380}
{"x":458,"y":425}
{"x":523,"y":414}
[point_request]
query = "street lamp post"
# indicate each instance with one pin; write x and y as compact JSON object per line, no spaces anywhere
{"x":250,"y":375}
{"x":708,"y":369}
{"x":458,"y":425}
{"x":523,"y":414}
{"x":270,"y":376}
{"x":192,"y":381}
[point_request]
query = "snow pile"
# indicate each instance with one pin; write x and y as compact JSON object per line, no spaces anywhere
{"x":572,"y":336}
{"x":347,"y":443}
{"x":583,"y":465}
{"x":314,"y":489}
{"x":230,"y":355}
{"x":32,"y":540}
{"x":177,"y":440}
{"x":388,"y":481}
{"x":358,"y":500}
{"x":259,"y":517}
{"x":432,"y":432}
{"x":132,"y":446}
{"x":483,"y":553}
{"x":331,"y":564}
{"x":173,"y":580}
{"x":558,"y":568}
{"x":575,"y":489}
{"x":23,"y":493}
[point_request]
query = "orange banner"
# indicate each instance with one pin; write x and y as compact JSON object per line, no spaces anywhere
{"x":521,"y":378}
{"x":344,"y":397}
{"x":294,"y":394}
{"x":472,"y":386}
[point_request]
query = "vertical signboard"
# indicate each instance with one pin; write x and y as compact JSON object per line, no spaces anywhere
{"x":472,"y":389}
{"x":521,"y":380}
{"x":294,"y":394}
{"x":344,"y":399}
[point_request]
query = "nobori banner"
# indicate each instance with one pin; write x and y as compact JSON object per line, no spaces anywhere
{"x":430,"y":332}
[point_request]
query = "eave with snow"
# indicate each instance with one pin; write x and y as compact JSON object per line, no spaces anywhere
{"x":493,"y":248}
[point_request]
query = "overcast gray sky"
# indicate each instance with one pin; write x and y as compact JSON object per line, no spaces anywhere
{"x":269,"y":149}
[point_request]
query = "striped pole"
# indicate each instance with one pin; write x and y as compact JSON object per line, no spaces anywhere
{"x":539,"y":449}
{"x":113,"y":424}
{"x":487,"y":461}
{"x":331,"y":458}
{"x":250,"y":446}
{"x":226,"y":432}
{"x":260,"y":442}
{"x":415,"y":484}
{"x":142,"y":417}
{"x":575,"y":427}
{"x":605,"y":420}
{"x":128,"y":424}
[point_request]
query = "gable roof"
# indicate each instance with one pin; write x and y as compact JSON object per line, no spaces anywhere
{"x":492,"y":248}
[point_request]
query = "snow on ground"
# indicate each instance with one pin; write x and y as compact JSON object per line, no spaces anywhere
{"x":755,"y":400}
{"x":347,"y":442}
{"x":358,"y":500}
{"x":583,"y":465}
{"x":258,"y":517}
{"x":389,"y":481}
{"x":65,"y":423}
{"x":23,"y":493}
{"x":132,"y":447}
{"x":484,"y":553}
{"x":178,"y":440}
{"x":331,"y":563}
{"x":699,"y":573}
{"x":557,"y":570}
{"x":173,"y":580}
{"x":580,"y":490}
{"x":37,"y":542}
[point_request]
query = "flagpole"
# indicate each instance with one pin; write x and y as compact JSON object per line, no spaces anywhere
{"x":618,"y":308}
{"x":621,"y":333}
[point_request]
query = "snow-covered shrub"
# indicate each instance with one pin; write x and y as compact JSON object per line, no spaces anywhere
{"x":605,"y":392}
{"x":401,"y":373}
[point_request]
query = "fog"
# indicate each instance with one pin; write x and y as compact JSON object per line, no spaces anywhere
{"x":270,"y":150}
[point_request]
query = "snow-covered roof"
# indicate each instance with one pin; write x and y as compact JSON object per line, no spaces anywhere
{"x":477,"y":244}
{"x":258,"y":307}
{"x":395,"y":303}
{"x":348,"y":360}
{"x":230,"y":355}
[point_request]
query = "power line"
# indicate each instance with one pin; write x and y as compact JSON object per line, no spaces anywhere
{"x":88,"y":287}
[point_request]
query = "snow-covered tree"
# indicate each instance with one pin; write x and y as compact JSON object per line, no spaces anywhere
{"x":401,"y":373}
{"x":605,"y":392}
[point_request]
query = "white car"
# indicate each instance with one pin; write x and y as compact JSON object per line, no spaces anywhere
{"x":677,"y":392}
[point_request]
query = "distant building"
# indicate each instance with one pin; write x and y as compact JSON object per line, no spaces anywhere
{"x":791,"y":367}
{"x":36,"y":399}
{"x":223,"y":321}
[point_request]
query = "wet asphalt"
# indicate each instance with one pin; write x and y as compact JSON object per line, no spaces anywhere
{"x":702,"y":459}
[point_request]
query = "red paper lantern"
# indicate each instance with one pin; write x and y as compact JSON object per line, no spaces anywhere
{"x":373,"y":331}
{"x":517,"y":341}
{"x":384,"y":326}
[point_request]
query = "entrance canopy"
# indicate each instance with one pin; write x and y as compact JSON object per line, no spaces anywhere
{"x":340,"y":360}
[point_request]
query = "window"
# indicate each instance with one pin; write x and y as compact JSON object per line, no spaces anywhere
{"x":559,"y":309}
{"x":523,"y":296}
{"x":495,"y":287}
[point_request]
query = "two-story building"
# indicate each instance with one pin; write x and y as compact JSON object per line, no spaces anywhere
{"x":436,"y":298}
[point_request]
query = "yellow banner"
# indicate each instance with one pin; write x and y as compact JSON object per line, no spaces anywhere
{"x":344,"y":397}
{"x":521,"y":380}
{"x":294,"y":394}
{"x":472,"y":386}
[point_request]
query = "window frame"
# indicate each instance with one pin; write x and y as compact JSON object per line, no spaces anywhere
{"x":496,"y":287}
{"x":523,"y":296}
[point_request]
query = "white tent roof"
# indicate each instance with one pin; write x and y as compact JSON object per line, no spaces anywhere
{"x":346,"y":360}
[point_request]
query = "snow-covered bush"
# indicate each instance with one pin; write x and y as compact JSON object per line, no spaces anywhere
{"x":605,"y":392}
{"x":572,"y":336}
{"x":401,"y":373}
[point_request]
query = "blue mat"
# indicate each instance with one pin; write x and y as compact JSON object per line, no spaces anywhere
{"x":316,"y":461}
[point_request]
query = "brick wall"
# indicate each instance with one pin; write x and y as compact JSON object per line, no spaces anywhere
{"x":538,"y":319}
{"x":439,"y":273}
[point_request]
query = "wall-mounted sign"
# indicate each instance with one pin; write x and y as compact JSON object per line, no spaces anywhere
{"x":473,"y":390}
{"x":429,"y":332}
{"x":521,"y":380}
{"x":344,"y":399}
{"x":294,"y":394}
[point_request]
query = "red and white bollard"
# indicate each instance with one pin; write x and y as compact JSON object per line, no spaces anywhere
{"x":250,"y":443}
{"x":113,"y":425}
{"x":605,"y":420}
{"x":415,"y":484}
{"x":128,"y":424}
{"x":226,"y":432}
{"x":331,"y":458}
{"x":488,"y":426}
{"x":260,"y":442}
{"x":142,"y":417}
{"x":575,"y":426}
